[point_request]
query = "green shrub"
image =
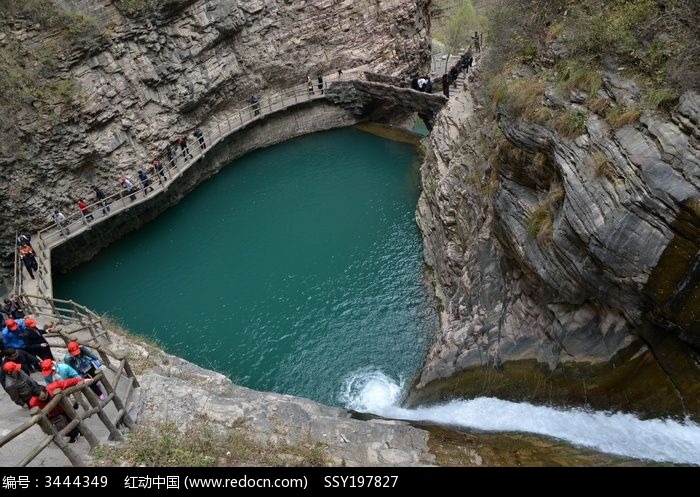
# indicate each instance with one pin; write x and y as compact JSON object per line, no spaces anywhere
{"x":136,"y":7}
{"x":655,"y":40}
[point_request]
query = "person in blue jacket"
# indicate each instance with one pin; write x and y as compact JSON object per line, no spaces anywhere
{"x":53,"y":371}
{"x":83,"y":360}
{"x":12,"y":334}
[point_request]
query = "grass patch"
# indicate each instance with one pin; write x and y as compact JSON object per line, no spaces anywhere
{"x":524,"y":96}
{"x":573,"y":75}
{"x":492,"y":185}
{"x":619,"y":116}
{"x":555,"y":197}
{"x":598,"y":105}
{"x":571,"y":123}
{"x":164,"y":445}
{"x":431,"y":187}
{"x":540,"y":223}
{"x":661,"y":98}
{"x":602,"y":167}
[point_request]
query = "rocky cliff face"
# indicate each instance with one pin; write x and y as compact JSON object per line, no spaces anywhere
{"x":150,"y":74}
{"x":567,"y":266}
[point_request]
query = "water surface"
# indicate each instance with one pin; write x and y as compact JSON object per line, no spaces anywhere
{"x":292,"y":268}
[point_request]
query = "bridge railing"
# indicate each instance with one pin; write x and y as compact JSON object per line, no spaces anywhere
{"x":78,"y":323}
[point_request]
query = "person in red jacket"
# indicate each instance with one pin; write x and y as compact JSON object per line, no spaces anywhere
{"x":83,"y":206}
{"x":57,"y":416}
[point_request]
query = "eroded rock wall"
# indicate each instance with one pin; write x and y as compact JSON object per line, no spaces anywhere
{"x":146,"y":79}
{"x":598,"y":307}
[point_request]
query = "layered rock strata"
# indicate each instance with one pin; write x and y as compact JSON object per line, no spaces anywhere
{"x":566,"y":268}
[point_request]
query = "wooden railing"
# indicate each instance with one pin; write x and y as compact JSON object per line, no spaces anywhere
{"x":89,"y":404}
{"x":67,"y":312}
{"x":79,"y":323}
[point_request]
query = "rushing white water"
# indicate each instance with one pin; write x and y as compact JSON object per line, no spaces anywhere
{"x":614,"y":433}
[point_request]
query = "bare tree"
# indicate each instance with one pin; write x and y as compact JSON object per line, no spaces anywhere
{"x":460,"y":20}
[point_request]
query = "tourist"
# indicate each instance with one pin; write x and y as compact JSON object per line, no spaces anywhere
{"x":12,"y":308}
{"x":171,"y":154}
{"x":182,"y":141}
{"x":53,"y":371}
{"x":477,"y":42}
{"x":26,"y":254}
{"x":310,"y":85}
{"x":145,"y":182}
{"x":18,"y":385}
{"x":83,"y":360}
{"x":128,"y":186}
{"x":320,"y":84}
{"x":255,"y":103}
{"x":34,"y":341}
{"x":57,"y":416}
{"x":340,"y":73}
{"x":60,"y":221}
{"x":102,"y":199}
{"x":23,"y":239}
{"x":200,"y":136}
{"x":83,"y":206}
{"x":13,"y":334}
{"x":29,"y":362}
{"x":159,"y":171}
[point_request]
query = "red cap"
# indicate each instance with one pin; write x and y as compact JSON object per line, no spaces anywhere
{"x":30,"y":322}
{"x":74,"y":348}
{"x":47,"y":366}
{"x":11,"y":324}
{"x":11,"y":367}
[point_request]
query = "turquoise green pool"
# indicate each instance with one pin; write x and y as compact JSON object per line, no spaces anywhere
{"x":292,"y":269}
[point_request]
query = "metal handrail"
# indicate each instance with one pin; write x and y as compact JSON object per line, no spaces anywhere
{"x":52,"y":235}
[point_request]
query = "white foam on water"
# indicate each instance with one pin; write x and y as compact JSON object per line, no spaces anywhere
{"x":615,"y":433}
